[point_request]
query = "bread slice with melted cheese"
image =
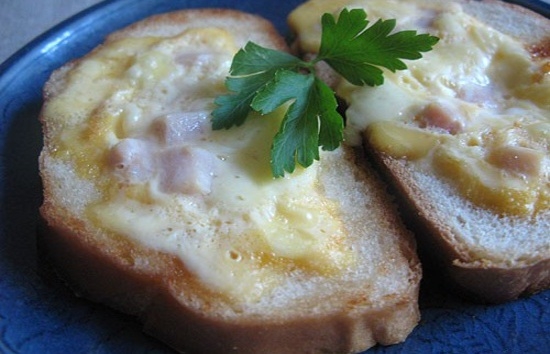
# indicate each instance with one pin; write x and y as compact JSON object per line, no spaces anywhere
{"x":463,"y":136}
{"x":149,"y":211}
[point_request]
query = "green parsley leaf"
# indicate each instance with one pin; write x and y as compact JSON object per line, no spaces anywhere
{"x":233,"y":108}
{"x":252,"y":68}
{"x":263,"y":80}
{"x":311,"y":120}
{"x":355,"y":51}
{"x":298,"y":132}
{"x":254,"y":59}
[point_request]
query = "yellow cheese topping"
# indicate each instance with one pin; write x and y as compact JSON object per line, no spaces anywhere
{"x":475,"y":110}
{"x":134,"y":117}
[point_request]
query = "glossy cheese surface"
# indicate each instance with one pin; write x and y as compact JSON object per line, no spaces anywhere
{"x":135,"y":118}
{"x":475,"y":110}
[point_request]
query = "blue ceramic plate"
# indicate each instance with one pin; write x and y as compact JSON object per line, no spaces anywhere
{"x":37,"y":312}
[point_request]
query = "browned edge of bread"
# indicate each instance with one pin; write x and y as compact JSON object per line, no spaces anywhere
{"x":477,"y":281}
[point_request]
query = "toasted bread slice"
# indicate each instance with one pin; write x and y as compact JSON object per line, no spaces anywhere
{"x":151,"y":212}
{"x":446,"y":133}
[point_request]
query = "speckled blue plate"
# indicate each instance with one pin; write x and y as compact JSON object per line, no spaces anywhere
{"x":37,"y":312}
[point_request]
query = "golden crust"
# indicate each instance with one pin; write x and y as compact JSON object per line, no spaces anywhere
{"x":246,"y":26}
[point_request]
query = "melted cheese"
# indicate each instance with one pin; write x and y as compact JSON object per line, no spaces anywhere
{"x":136,"y":120}
{"x":477,"y":106}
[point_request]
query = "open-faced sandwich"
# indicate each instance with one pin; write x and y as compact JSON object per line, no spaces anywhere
{"x":151,"y":211}
{"x":463,"y":136}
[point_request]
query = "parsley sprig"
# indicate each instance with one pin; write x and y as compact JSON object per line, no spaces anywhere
{"x":263,"y":79}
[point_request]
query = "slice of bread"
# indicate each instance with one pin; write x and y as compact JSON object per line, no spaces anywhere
{"x":175,"y":241}
{"x":487,"y":249}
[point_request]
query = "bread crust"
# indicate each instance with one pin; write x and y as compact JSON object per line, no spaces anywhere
{"x":172,"y":304}
{"x":98,"y":277}
{"x":478,"y":279}
{"x":257,"y":30}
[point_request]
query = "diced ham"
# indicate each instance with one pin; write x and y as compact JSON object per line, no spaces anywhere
{"x":181,"y":128}
{"x":437,"y":115}
{"x":525,"y":161}
{"x":188,"y":170}
{"x":483,"y":95}
{"x":131,"y":161}
{"x":178,"y":166}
